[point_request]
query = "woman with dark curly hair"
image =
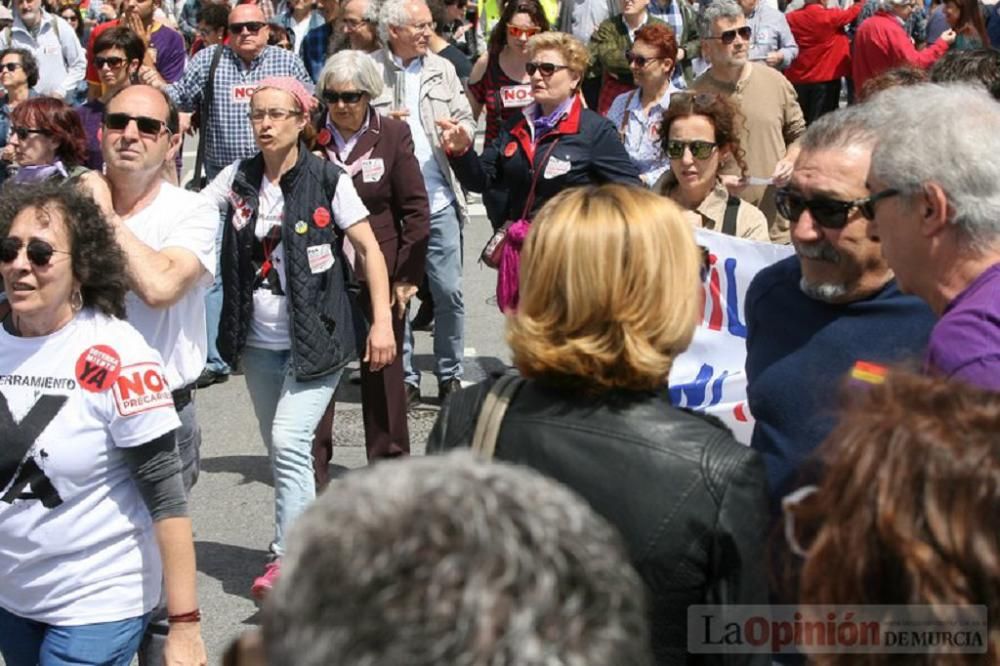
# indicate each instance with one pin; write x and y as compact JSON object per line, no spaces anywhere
{"x":907,"y":508}
{"x":93,"y":516}
{"x":698,"y":134}
{"x":49,"y":142}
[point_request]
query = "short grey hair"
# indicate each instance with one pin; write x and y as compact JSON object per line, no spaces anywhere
{"x":354,"y":68}
{"x":453,"y":560}
{"x":841,"y":129}
{"x":394,"y":13}
{"x":729,"y":9}
{"x":948,"y":134}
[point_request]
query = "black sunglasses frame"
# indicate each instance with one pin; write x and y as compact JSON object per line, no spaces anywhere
{"x":23,"y":132}
{"x":694,"y":146}
{"x":11,"y":66}
{"x":152,"y":127}
{"x":253,"y":27}
{"x":39,"y":252}
{"x":639,"y":60}
{"x":546,"y":68}
{"x":114,"y":62}
{"x":349,"y":97}
{"x":868,"y":207}
{"x":727,"y":37}
{"x":828,"y":213}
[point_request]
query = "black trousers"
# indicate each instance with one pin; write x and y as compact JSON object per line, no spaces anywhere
{"x":818,"y":98}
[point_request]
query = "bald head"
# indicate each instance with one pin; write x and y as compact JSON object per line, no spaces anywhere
{"x":247,"y":13}
{"x":247,"y":31}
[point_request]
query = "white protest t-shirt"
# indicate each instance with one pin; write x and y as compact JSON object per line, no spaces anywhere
{"x":76,"y":540}
{"x":187,"y":220}
{"x":269,"y":328}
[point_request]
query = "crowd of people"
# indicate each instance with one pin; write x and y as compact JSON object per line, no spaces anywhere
{"x":338,"y":155}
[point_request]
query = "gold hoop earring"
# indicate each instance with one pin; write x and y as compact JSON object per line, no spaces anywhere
{"x":76,"y":300}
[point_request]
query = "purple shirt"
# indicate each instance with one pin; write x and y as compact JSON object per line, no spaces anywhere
{"x":92,"y":115}
{"x":965,"y":342}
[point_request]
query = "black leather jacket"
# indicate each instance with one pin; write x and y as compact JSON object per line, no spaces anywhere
{"x":689,"y":500}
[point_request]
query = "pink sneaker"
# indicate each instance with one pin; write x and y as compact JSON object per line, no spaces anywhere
{"x":263,"y":584}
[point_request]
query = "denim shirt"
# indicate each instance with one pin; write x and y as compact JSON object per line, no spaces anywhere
{"x":641,"y":135}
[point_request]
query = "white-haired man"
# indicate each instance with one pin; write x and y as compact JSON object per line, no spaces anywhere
{"x":420,"y":88}
{"x":940,"y":226}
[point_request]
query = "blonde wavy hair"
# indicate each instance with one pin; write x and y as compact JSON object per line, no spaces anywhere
{"x":573,"y":51}
{"x":609,"y":292}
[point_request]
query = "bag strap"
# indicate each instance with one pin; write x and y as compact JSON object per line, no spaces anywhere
{"x":206,"y":104}
{"x":484,"y":440}
{"x":729,"y":219}
{"x":530,"y":201}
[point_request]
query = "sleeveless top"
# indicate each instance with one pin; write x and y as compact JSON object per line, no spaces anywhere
{"x":500,"y":95}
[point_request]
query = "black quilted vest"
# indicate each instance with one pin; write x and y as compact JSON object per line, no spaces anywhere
{"x":321,"y":327}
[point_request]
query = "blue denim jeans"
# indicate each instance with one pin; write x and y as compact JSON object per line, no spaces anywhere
{"x":213,"y":297}
{"x":287,"y":413}
{"x":25,"y":642}
{"x":444,"y":275}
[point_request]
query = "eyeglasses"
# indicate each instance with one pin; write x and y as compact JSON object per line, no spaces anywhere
{"x":426,"y":26}
{"x":151,"y":127}
{"x":546,"y":68}
{"x":700,"y":150}
{"x":253,"y":27}
{"x":114,"y":62}
{"x":729,"y":36}
{"x":257,"y":115}
{"x":349,"y":97}
{"x":789,"y":504}
{"x":39,"y":252}
{"x":828,"y":213}
{"x":352,"y":24}
{"x":638,"y":60}
{"x":70,"y":17}
{"x":515,"y":32}
{"x":868,"y":207}
{"x":11,"y":66}
{"x":22,"y":133}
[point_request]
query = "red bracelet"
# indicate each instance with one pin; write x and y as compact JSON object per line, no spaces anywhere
{"x":193,"y":616}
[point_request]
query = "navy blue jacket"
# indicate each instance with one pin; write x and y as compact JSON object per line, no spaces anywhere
{"x":798,"y":352}
{"x":587,"y":142}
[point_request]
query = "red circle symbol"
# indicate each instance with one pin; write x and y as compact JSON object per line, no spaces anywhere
{"x":97,"y":368}
{"x":510,"y":149}
{"x":324,"y":137}
{"x":321,"y":216}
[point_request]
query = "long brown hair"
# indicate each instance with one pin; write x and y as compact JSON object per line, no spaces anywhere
{"x":498,"y":37}
{"x":906,"y":511}
{"x":969,"y":13}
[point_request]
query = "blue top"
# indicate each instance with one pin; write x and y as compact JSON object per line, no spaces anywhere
{"x":798,"y":353}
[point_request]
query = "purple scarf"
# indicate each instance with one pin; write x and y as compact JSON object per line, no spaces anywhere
{"x":40,"y":173}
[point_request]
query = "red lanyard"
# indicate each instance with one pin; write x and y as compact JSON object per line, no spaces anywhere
{"x":265,"y":268}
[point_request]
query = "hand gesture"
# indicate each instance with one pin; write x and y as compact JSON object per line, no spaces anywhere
{"x":402,"y":292}
{"x":782,"y":172}
{"x":774,"y":58}
{"x":454,"y":138}
{"x":948,"y":37}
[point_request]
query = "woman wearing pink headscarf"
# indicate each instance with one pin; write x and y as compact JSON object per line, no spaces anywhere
{"x":286,"y":317}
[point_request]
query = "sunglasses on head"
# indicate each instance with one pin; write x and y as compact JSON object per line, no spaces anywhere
{"x":253,"y":27}
{"x":700,"y":150}
{"x":638,"y":60}
{"x":11,"y":66}
{"x":546,"y":68}
{"x":729,"y":36}
{"x":349,"y":97}
{"x":117,"y":122}
{"x":22,"y":133}
{"x":828,"y":213}
{"x":114,"y":62}
{"x":39,"y":252}
{"x":517,"y":33}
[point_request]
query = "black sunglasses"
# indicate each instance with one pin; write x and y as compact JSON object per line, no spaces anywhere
{"x":729,"y":36}
{"x":39,"y":252}
{"x":350,"y":97}
{"x":546,"y":68}
{"x":638,"y":60}
{"x":11,"y":66}
{"x":253,"y":27}
{"x":114,"y":62}
{"x":700,"y":150}
{"x":828,"y":213}
{"x":22,"y":133}
{"x":868,"y":207}
{"x":117,"y":122}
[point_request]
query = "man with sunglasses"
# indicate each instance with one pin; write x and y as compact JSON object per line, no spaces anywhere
{"x":939,"y":225}
{"x":420,"y":88}
{"x":812,"y":316}
{"x":765,"y":99}
{"x":168,"y":236}
{"x":226,"y":131}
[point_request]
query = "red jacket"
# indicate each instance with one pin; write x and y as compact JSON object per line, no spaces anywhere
{"x":881,"y":43}
{"x":824,"y":49}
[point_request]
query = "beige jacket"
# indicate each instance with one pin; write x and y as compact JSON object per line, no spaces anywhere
{"x":750,"y":221}
{"x":441,"y":96}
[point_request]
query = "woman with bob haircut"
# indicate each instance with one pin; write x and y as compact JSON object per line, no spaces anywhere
{"x":909,"y":497}
{"x":48,"y":140}
{"x":594,"y":344}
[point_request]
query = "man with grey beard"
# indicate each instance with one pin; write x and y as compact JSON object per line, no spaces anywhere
{"x":813,"y":316}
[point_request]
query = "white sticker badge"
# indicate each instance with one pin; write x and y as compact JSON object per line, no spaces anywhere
{"x":320,"y":258}
{"x":372,"y":170}
{"x":557,"y":167}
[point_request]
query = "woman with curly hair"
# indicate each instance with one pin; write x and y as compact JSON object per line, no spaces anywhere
{"x":594,"y":343}
{"x":906,"y":510}
{"x":699,"y":133}
{"x":49,"y":142}
{"x":93,"y":515}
